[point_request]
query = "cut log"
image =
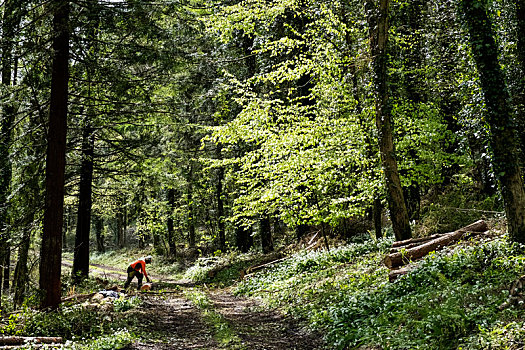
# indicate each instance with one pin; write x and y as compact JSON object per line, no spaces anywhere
{"x":30,"y":340}
{"x":478,"y":226}
{"x":400,"y":258}
{"x":395,"y":274}
{"x":411,"y":245}
{"x":417,"y":240}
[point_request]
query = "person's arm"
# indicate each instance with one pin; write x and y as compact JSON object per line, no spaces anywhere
{"x":144,"y":269}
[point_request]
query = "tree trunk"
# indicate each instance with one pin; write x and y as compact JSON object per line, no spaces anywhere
{"x":191,"y":214}
{"x":51,"y":250}
{"x":265,"y":230}
{"x":499,"y":116}
{"x":520,"y":98}
{"x":378,"y":24}
{"x":10,"y":21}
{"x":80,"y":269}
{"x":243,"y":238}
{"x":81,"y":252}
{"x":172,"y":243}
{"x":220,"y":203}
{"x":377,"y":212}
{"x":21,"y":272}
{"x":301,"y":230}
{"x":98,"y":223}
{"x":121,"y":237}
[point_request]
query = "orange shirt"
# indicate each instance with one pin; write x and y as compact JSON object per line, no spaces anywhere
{"x":139,"y":265}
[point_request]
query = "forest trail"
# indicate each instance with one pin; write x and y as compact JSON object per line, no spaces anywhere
{"x":188,"y":317}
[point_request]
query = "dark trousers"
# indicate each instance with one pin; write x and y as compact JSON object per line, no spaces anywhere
{"x":131,"y":274}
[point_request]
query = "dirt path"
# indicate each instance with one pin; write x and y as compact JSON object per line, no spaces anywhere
{"x":212,"y":319}
{"x":176,"y":323}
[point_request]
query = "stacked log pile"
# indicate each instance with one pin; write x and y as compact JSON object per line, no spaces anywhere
{"x":403,"y":252}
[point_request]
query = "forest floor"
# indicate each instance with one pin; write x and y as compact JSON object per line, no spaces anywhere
{"x":183,"y":316}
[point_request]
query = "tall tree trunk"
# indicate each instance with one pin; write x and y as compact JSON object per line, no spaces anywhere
{"x":81,"y":252}
{"x":98,"y":223}
{"x":220,"y":203}
{"x":499,"y":117}
{"x":191,"y":214}
{"x":172,"y":243}
{"x":80,"y":269}
{"x":265,"y":230}
{"x":520,"y":98}
{"x":377,"y":212}
{"x":21,"y":272}
{"x":120,"y":217}
{"x":10,"y":21}
{"x":51,"y":250}
{"x":378,"y":24}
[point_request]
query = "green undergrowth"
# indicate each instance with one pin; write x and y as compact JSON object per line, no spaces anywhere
{"x":120,"y":339}
{"x":84,"y":325}
{"x":451,"y":301}
{"x":223,"y":270}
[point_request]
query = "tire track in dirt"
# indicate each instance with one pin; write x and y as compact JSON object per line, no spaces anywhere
{"x":262,"y":330}
{"x":173,"y":323}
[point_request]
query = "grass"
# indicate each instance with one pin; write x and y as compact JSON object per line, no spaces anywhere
{"x":450,"y":302}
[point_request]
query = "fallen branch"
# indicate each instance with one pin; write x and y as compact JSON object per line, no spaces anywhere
{"x":79,"y":297}
{"x":258,"y":267}
{"x":400,"y":258}
{"x":417,"y":240}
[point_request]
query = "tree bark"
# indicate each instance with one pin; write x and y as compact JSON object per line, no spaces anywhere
{"x":378,"y":24}
{"x":377,"y":212}
{"x":10,"y":21}
{"x":51,"y":250}
{"x":21,"y":272}
{"x":243,"y":239}
{"x":499,"y":116}
{"x":172,"y":243}
{"x":520,"y":98}
{"x":191,"y":214}
{"x":98,"y":223}
{"x":220,"y":202}
{"x":265,"y":231}
{"x":80,"y":269}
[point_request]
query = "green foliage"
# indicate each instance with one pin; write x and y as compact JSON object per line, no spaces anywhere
{"x":67,"y":322}
{"x":221,"y":270}
{"x":120,"y":339}
{"x":449,"y":300}
{"x":124,"y":304}
{"x":78,"y":322}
